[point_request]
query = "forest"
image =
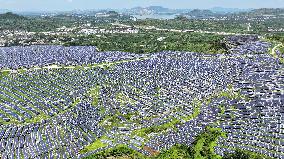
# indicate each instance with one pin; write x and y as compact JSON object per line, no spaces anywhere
{"x":202,"y":148}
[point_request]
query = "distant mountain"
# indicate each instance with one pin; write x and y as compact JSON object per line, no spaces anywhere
{"x":158,"y":9}
{"x":222,"y":10}
{"x":162,"y":10}
{"x":148,"y":10}
{"x":268,"y":11}
{"x":4,"y":11}
{"x":10,"y":15}
{"x":262,"y":12}
{"x":215,"y":12}
{"x":199,"y":12}
{"x":154,"y":10}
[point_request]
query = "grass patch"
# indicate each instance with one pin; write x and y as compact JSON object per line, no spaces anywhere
{"x":144,"y":132}
{"x":124,"y":99}
{"x":175,"y":152}
{"x":95,"y":95}
{"x":231,"y":94}
{"x":37,"y":118}
{"x":4,"y":73}
{"x":95,"y":145}
{"x":119,"y":152}
{"x":222,"y":108}
{"x":110,"y":122}
{"x":196,"y":110}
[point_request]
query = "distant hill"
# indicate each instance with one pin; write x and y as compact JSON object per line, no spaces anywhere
{"x":154,"y":10}
{"x":193,"y":12}
{"x":158,"y":9}
{"x":10,"y":15}
{"x":4,"y":11}
{"x":222,"y":10}
{"x":203,"y":13}
{"x":268,"y":11}
{"x":148,"y":10}
{"x":200,"y":14}
{"x":262,"y":12}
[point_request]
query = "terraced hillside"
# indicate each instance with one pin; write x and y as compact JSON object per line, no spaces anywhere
{"x":147,"y":102}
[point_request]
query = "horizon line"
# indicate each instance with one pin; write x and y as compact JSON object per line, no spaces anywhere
{"x":100,"y":9}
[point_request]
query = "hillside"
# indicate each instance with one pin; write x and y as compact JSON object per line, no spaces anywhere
{"x":10,"y":15}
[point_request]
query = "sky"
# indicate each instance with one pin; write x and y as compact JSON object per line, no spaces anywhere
{"x":67,"y":5}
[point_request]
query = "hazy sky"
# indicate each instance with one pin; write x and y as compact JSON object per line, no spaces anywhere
{"x":50,"y":5}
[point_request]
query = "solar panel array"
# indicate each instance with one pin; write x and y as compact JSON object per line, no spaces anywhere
{"x":38,"y":56}
{"x":50,"y":113}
